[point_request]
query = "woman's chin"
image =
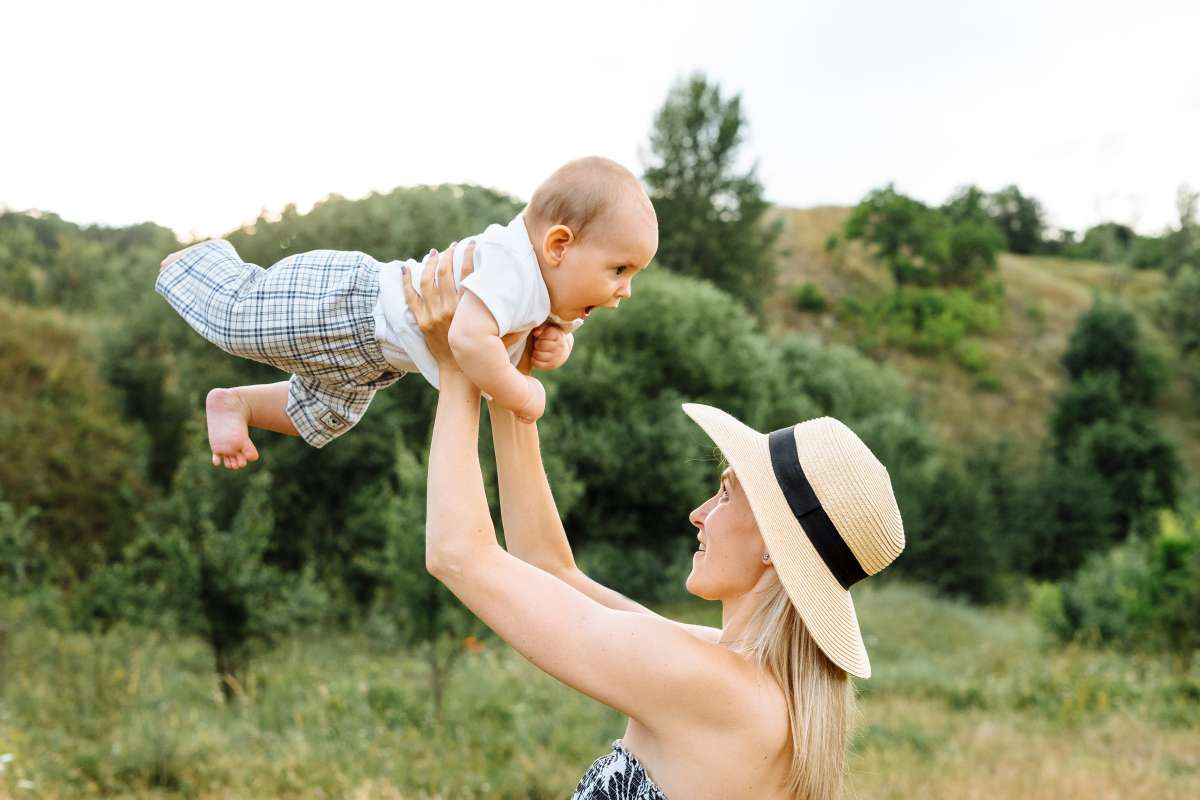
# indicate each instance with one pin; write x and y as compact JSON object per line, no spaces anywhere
{"x":694,"y":587}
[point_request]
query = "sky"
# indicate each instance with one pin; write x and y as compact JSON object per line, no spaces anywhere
{"x":201,"y":116}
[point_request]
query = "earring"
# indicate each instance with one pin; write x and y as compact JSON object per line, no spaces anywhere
{"x":766,"y":558}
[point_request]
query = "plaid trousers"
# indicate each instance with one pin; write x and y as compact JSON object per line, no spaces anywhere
{"x":310,"y":314}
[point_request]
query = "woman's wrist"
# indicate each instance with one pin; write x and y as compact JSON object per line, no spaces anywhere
{"x":453,"y":379}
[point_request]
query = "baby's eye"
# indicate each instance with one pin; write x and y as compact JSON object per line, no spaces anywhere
{"x":621,"y":270}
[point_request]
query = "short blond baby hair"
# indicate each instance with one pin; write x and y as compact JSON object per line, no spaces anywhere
{"x":581,"y":192}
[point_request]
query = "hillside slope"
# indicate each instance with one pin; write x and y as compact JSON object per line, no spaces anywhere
{"x":1044,"y":297}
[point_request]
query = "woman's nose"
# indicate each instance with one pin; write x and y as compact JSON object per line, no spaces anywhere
{"x":699,"y":514}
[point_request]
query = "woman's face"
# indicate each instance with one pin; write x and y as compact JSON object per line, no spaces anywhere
{"x":729,"y":561}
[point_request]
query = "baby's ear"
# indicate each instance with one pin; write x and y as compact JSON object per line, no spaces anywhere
{"x":555,"y":243}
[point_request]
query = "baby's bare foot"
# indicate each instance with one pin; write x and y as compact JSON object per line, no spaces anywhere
{"x":228,"y":434}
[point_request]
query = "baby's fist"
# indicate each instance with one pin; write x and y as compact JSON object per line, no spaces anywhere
{"x":551,"y":347}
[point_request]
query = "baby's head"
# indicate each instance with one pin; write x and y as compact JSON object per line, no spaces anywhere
{"x":593,"y":229}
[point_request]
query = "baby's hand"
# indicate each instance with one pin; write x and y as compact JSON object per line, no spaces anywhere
{"x":551,"y":346}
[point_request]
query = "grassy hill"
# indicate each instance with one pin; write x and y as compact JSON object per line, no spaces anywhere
{"x":1043,"y":299}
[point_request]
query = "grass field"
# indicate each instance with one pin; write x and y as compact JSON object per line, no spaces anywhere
{"x":965,"y":703}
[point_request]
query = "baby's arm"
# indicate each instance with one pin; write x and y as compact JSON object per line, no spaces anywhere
{"x":475,"y":340}
{"x":551,"y":346}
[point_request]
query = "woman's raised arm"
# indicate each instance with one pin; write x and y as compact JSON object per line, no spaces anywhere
{"x":639,"y":664}
{"x":533,"y":530}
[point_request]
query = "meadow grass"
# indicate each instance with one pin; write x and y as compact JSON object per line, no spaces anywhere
{"x":963,"y":703}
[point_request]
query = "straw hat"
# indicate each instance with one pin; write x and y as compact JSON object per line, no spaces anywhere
{"x":826,"y":512}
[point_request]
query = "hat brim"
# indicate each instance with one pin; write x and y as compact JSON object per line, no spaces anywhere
{"x":825,"y":607}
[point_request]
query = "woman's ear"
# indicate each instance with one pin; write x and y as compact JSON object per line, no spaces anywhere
{"x":555,"y":243}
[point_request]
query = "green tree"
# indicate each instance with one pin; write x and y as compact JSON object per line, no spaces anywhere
{"x":198,"y":567}
{"x":1180,"y":315}
{"x":711,"y":216}
{"x":1106,"y":339}
{"x":411,"y":609}
{"x":925,"y":246}
{"x":1020,"y":219}
{"x":67,"y":450}
{"x":1112,"y":467}
{"x":967,"y":204}
{"x":1182,"y":243}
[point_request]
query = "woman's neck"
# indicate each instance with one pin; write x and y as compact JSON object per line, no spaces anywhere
{"x":736,"y":613}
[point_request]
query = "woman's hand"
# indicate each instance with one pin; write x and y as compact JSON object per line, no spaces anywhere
{"x":434,"y":306}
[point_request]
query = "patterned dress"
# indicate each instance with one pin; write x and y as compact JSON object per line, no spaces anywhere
{"x":617,"y":776}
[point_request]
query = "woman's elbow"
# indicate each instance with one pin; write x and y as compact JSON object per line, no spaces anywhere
{"x":443,"y":562}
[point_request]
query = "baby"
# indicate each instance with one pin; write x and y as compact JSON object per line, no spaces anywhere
{"x":339,"y":323}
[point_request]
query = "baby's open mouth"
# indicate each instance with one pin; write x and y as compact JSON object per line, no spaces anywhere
{"x":587,"y":311}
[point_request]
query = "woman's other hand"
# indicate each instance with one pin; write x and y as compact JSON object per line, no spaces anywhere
{"x":434,"y":306}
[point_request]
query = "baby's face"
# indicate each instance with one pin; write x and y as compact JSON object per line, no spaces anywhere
{"x":598,"y":272}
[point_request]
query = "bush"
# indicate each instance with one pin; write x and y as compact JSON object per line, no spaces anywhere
{"x":1106,"y":339}
{"x":1143,"y":593}
{"x":926,"y":320}
{"x":807,"y":297}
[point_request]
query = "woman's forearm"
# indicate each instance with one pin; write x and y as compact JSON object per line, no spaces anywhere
{"x":458,"y":524}
{"x":533,"y":531}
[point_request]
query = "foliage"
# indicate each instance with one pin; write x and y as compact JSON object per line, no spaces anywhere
{"x":198,"y":567}
{"x":403,"y":223}
{"x":22,"y":565}
{"x":617,"y":418}
{"x":1111,"y":466}
{"x":1182,"y":243}
{"x":1019,"y":218}
{"x":1143,"y":593}
{"x":924,"y":246}
{"x":807,"y":297}
{"x":956,"y":539}
{"x":412,"y":612}
{"x":1180,"y":315}
{"x":47,"y":261}
{"x":67,"y":451}
{"x":1106,"y":340}
{"x":710,"y":215}
{"x":930,"y":321}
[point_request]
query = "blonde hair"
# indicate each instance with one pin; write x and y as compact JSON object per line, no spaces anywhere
{"x":581,"y":192}
{"x":820,"y":698}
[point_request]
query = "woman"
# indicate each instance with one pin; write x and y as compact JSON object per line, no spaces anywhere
{"x":759,"y":708}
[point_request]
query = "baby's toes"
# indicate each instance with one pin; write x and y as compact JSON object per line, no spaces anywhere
{"x":216,"y":460}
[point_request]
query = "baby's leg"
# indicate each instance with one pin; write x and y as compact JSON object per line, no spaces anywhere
{"x":231,"y":412}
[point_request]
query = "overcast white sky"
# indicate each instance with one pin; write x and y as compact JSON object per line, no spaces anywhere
{"x":199,"y":115}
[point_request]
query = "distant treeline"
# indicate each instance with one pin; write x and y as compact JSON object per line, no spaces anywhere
{"x":974,"y":224}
